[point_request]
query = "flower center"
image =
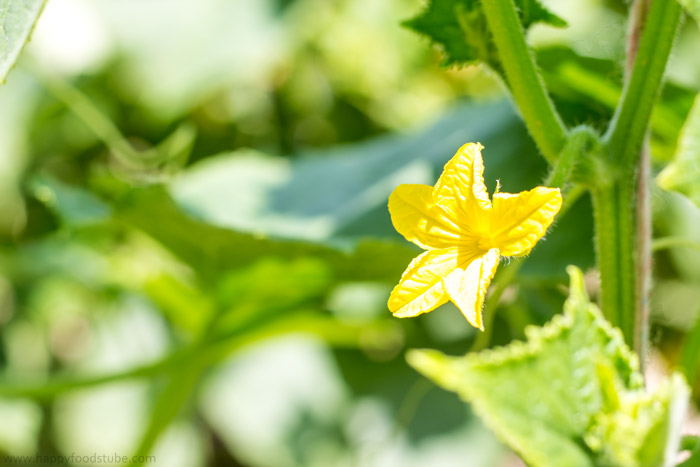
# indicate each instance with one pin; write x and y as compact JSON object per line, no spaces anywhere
{"x":486,"y":243}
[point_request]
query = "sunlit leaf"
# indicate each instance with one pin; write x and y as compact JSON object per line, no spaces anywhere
{"x":459,"y":27}
{"x":18,"y":19}
{"x":572,"y":394}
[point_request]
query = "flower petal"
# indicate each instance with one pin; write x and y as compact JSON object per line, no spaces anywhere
{"x":467,"y":287}
{"x":461,"y":190}
{"x":420,"y":220}
{"x":519,"y":220}
{"x":420,"y":289}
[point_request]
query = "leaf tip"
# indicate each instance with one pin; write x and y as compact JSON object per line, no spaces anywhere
{"x":577,"y":290}
{"x":435,"y":366}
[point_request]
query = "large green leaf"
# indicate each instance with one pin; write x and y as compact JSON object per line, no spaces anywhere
{"x":339,"y":195}
{"x":683,"y":173}
{"x":329,"y":194}
{"x":17,"y":19}
{"x":459,"y":27}
{"x":209,"y":249}
{"x":571,"y":395}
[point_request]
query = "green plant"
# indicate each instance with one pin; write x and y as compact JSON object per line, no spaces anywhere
{"x":233,"y":249}
{"x":615,"y":168}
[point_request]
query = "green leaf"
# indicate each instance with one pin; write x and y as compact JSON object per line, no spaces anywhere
{"x":571,"y":395}
{"x":683,"y":173}
{"x":74,"y":207}
{"x":459,"y":28}
{"x":211,"y":250}
{"x":268,"y":289}
{"x":342,"y":191}
{"x":692,"y":7}
{"x":338,"y":196}
{"x":17,"y":18}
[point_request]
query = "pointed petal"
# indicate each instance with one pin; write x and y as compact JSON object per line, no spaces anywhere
{"x":420,"y":220}
{"x":519,"y":220}
{"x":420,"y":289}
{"x":467,"y":287}
{"x":461,"y":190}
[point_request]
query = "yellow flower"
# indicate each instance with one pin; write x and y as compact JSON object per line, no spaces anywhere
{"x":464,"y":235}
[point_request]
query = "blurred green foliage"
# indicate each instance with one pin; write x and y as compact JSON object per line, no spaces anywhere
{"x":195,"y":250}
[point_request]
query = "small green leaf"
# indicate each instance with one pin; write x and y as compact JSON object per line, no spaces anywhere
{"x":692,"y":7}
{"x":571,"y":395}
{"x":17,"y":19}
{"x":683,"y":173}
{"x":459,"y":28}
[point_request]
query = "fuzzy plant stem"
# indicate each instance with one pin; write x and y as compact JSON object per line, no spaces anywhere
{"x":615,"y":199}
{"x":541,"y":118}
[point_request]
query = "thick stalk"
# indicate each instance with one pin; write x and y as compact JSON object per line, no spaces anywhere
{"x":614,"y":207}
{"x":619,"y":217}
{"x":628,"y":128}
{"x":541,"y":118}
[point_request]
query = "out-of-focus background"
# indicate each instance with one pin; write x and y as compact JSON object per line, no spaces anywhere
{"x":195,"y":249}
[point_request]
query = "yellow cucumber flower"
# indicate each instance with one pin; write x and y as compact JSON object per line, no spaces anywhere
{"x":464,"y":235}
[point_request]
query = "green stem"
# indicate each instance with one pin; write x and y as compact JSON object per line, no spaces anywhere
{"x":89,"y":114}
{"x":60,"y":385}
{"x":629,"y":125}
{"x":541,"y":118}
{"x":180,"y":386}
{"x":215,"y":350}
{"x":175,"y":148}
{"x":615,"y":202}
{"x":674,"y":242}
{"x":613,"y":210}
{"x":581,"y":143}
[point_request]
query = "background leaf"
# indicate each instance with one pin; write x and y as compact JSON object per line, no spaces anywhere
{"x":683,"y":173}
{"x":339,"y":197}
{"x":17,"y":18}
{"x":460,"y":29}
{"x":692,"y":7}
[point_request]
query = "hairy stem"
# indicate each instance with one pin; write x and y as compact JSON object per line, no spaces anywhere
{"x":541,"y":118}
{"x":581,"y":143}
{"x":625,"y":136}
{"x":621,"y":215}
